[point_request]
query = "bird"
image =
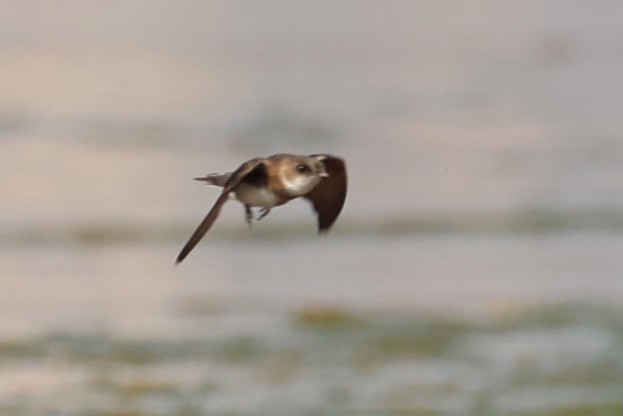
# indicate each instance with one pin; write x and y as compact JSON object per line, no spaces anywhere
{"x":268,"y":182}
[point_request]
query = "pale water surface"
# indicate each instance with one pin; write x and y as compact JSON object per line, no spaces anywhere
{"x":475,"y":269}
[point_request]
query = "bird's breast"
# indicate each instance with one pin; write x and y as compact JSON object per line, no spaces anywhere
{"x":257,"y":196}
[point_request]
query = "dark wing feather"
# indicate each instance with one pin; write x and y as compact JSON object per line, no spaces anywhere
{"x":245,"y":169}
{"x":203,"y":227}
{"x":329,"y":195}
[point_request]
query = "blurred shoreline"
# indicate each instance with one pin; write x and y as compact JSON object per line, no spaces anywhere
{"x":475,"y":268}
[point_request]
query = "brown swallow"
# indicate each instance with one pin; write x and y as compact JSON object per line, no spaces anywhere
{"x":272,"y":181}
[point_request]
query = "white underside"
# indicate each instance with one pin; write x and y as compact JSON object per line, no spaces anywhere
{"x":255,"y":197}
{"x":300,"y":185}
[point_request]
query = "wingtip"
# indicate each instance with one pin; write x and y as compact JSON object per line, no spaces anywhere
{"x":323,"y":230}
{"x":180,"y":257}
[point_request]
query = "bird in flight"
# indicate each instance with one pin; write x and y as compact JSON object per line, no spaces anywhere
{"x":267,"y":182}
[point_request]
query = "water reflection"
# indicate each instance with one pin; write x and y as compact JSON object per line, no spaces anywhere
{"x":474,"y":270}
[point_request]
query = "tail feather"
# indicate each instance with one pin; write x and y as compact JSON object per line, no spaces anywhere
{"x":215,"y":179}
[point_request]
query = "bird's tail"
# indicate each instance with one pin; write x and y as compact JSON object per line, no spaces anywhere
{"x":215,"y":179}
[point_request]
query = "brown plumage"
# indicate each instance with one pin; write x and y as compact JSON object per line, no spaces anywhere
{"x":275,"y":180}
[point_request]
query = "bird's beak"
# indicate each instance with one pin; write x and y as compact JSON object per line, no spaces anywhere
{"x":202,"y":179}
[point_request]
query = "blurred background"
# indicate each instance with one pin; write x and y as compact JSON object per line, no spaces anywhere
{"x":475,"y":269}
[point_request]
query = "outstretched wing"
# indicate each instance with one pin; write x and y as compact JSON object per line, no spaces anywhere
{"x":203,"y":227}
{"x":329,"y":195}
{"x":251,"y":166}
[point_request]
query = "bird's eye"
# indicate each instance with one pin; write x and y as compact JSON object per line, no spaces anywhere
{"x":302,"y":168}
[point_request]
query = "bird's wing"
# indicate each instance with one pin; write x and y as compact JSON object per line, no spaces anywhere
{"x":203,"y":227}
{"x":328,"y":196}
{"x":235,"y":178}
